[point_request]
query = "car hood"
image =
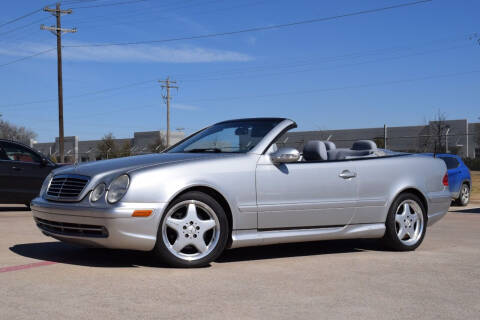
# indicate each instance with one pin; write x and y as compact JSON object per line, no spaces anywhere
{"x":127,"y":164}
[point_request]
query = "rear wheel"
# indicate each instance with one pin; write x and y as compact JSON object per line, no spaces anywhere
{"x":464,"y":197}
{"x":406,"y":223}
{"x":193,"y":232}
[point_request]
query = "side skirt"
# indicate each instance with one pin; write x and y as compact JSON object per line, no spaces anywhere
{"x":247,"y":238}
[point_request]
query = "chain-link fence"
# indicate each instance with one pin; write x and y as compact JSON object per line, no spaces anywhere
{"x":466,"y":146}
{"x":463,"y":145}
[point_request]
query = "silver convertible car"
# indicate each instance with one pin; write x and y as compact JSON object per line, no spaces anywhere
{"x":235,"y":184}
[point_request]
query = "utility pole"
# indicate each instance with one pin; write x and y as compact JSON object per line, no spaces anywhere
{"x":167,"y":85}
{"x":58,"y":31}
{"x":385,"y":136}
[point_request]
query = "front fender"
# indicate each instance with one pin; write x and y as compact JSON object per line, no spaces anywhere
{"x":233,"y":178}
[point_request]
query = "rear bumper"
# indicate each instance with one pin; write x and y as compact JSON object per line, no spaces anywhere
{"x":438,"y":206}
{"x":101,"y":227}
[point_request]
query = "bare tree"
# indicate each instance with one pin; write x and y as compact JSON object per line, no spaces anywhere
{"x":125,"y":149}
{"x":438,"y":129}
{"x":107,"y":148}
{"x":380,"y":142}
{"x":432,"y":137}
{"x":477,"y":134}
{"x":158,"y":145}
{"x":16,"y":133}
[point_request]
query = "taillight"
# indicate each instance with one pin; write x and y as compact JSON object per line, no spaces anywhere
{"x":445,"y":180}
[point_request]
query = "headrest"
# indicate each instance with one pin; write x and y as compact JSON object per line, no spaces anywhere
{"x":330,"y":145}
{"x":315,"y":151}
{"x":273,"y":148}
{"x":364,"y":145}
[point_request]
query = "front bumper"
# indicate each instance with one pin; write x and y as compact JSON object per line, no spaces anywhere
{"x":112,"y":227}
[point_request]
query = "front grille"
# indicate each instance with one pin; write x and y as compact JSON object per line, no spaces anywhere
{"x":67,"y":187}
{"x":72,"y":229}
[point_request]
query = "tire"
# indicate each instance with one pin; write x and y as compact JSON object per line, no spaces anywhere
{"x":193,"y":231}
{"x":464,"y":197}
{"x":412,"y":219}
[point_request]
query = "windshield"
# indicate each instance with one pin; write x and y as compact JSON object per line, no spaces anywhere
{"x":238,"y":136}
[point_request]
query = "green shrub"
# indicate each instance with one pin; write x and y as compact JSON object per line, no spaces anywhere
{"x":472,"y":164}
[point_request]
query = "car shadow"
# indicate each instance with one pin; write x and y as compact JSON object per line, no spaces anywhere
{"x":299,"y":250}
{"x":15,"y":208}
{"x":469,"y":210}
{"x":92,"y":257}
{"x":108,"y":258}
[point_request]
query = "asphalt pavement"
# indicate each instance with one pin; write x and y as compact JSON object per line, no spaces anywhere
{"x":41,"y":278}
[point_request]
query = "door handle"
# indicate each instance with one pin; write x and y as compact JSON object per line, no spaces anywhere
{"x":347,"y":174}
{"x":16,"y":168}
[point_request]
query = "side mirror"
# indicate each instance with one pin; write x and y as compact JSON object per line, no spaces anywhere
{"x":44,"y":162}
{"x":285,"y":155}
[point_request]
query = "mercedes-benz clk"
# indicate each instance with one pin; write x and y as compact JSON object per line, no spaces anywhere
{"x":236,"y":184}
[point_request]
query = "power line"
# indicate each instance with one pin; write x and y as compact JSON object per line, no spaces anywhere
{"x":291,"y":93}
{"x":233,"y":32}
{"x":374,"y":84}
{"x":310,"y":69}
{"x":244,"y":71}
{"x":83,"y":94}
{"x":146,"y":17}
{"x":20,"y":18}
{"x":104,"y":19}
{"x":255,"y":29}
{"x":109,"y":4}
{"x":28,"y":57}
{"x":23,"y":26}
{"x":40,"y":9}
{"x":359,"y":86}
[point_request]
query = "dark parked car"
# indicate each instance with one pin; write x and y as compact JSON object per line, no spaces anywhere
{"x":459,"y":179}
{"x":22,"y":171}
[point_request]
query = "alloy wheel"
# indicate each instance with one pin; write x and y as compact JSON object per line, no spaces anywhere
{"x":465,"y":194}
{"x":409,"y":222}
{"x":190,"y":230}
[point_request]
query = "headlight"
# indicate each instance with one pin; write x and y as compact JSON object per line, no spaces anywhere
{"x":45,"y":184}
{"x":118,"y":188}
{"x":98,"y":192}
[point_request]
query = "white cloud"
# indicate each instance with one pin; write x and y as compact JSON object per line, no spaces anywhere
{"x":137,"y":53}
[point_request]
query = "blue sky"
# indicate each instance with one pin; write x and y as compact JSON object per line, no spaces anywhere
{"x":396,"y":67}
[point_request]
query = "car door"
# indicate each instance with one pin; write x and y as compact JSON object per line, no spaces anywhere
{"x":5,"y":188}
{"x":305,"y":194}
{"x":26,"y":172}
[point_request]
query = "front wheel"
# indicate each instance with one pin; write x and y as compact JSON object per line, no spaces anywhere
{"x":406,"y":223}
{"x":464,"y":197}
{"x":193,"y":232}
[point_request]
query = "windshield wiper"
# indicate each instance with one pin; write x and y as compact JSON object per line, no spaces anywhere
{"x":198,"y":150}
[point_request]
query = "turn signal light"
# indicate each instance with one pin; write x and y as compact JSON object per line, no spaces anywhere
{"x":445,"y":180}
{"x":142,"y":213}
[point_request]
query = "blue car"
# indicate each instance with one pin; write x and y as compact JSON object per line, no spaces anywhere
{"x":459,"y":179}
